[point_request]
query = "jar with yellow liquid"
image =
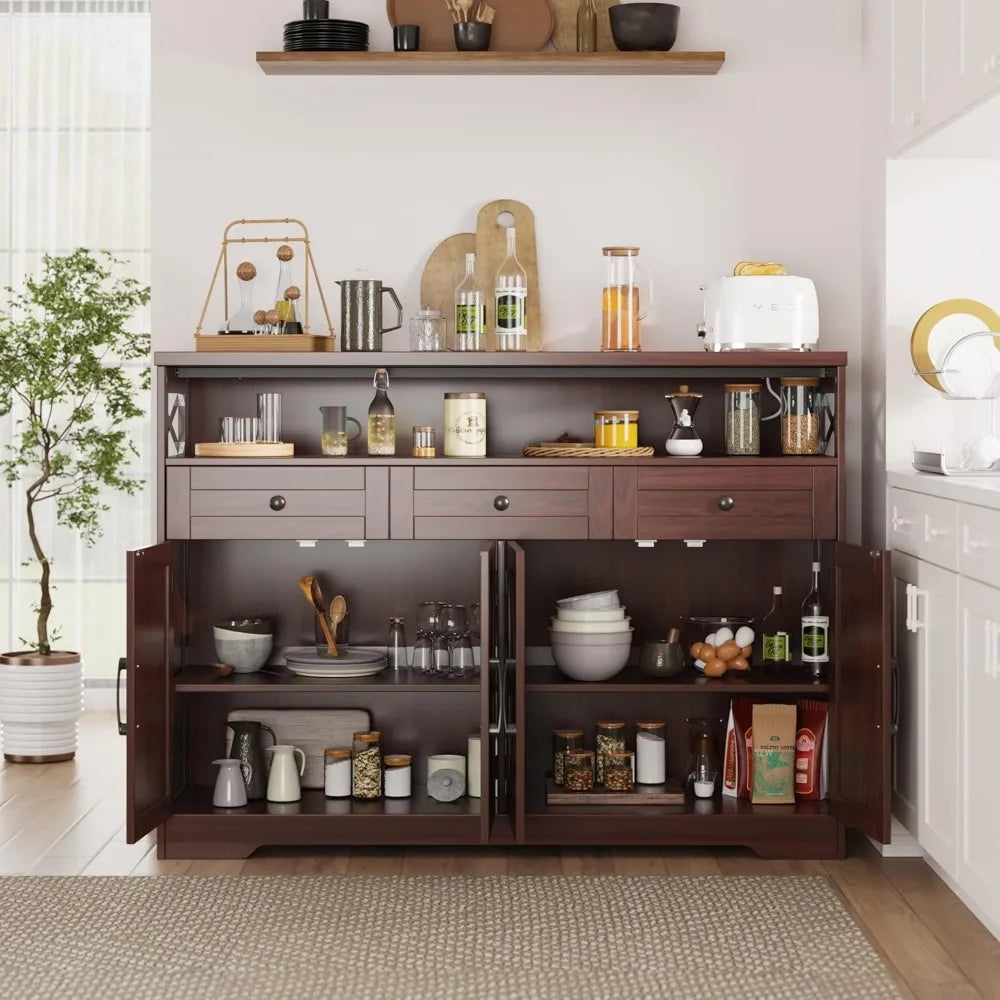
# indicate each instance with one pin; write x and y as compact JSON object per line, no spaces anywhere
{"x":623,"y":304}
{"x":616,"y":428}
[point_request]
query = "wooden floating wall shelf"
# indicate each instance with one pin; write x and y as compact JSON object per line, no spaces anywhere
{"x":491,"y":63}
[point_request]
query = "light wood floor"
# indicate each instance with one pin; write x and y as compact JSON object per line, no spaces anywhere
{"x":67,"y":819}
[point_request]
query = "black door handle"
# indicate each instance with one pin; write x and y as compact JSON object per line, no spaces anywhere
{"x":122,"y":726}
{"x":725,"y":503}
{"x":277,"y":502}
{"x":501,"y":502}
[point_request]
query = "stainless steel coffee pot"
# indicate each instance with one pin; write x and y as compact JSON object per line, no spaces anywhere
{"x":361,"y":314}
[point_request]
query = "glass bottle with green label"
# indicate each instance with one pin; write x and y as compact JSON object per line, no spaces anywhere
{"x":774,"y":641}
{"x":470,"y":310}
{"x":815,"y":626}
{"x":511,"y":301}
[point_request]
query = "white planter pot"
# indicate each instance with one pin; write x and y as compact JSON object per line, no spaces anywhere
{"x":41,"y":698}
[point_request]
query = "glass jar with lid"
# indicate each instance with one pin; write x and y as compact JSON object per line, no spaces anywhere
{"x":801,"y":412}
{"x":366,"y":766}
{"x":564,"y":740}
{"x":618,"y":771}
{"x":337,"y":772}
{"x":616,"y":428}
{"x":651,"y":753}
{"x":743,"y":418}
{"x":623,"y":303}
{"x":579,"y":771}
{"x":428,"y":331}
{"x":610,"y":739}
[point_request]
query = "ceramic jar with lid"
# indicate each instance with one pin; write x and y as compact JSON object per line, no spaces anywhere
{"x":465,"y":424}
{"x":337,"y":772}
{"x":398,"y":769}
{"x":650,"y":753}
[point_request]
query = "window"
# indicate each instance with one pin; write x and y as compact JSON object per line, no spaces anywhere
{"x":74,"y":171}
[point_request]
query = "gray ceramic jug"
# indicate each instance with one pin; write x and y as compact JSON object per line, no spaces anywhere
{"x":248,"y":747}
{"x":361,"y":314}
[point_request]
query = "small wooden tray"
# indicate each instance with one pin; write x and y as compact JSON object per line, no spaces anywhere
{"x":243,"y":449}
{"x":552,"y":449}
{"x":670,"y":794}
{"x":288,"y":343}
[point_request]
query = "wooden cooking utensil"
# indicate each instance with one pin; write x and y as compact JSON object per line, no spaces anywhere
{"x":338,"y":612}
{"x":310,"y":587}
{"x":444,"y":269}
{"x":491,"y":248}
{"x":519,"y":26}
{"x":564,"y":32}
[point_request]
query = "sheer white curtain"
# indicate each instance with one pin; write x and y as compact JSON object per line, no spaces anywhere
{"x":74,"y":171}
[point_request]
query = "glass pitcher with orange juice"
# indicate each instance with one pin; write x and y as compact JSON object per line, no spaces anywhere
{"x":622,"y":305}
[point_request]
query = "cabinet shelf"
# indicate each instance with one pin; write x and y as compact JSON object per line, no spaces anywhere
{"x":490,"y":63}
{"x":203,"y":680}
{"x":655,"y":461}
{"x":790,"y":679}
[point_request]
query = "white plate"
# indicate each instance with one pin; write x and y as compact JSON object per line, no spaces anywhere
{"x":307,"y":656}
{"x":591,"y":628}
{"x":599,"y":600}
{"x":358,"y":670}
{"x":610,"y":615}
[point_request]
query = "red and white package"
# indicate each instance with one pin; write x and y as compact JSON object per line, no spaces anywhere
{"x":737,"y":767}
{"x":811,"y":756}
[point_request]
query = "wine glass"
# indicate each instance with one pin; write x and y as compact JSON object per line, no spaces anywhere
{"x":427,"y":618}
{"x":453,"y":620}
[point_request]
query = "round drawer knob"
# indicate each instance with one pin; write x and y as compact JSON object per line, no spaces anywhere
{"x":501,"y":502}
{"x":277,"y":502}
{"x":725,"y":503}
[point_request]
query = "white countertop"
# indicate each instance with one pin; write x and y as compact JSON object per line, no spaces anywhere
{"x":984,"y":491}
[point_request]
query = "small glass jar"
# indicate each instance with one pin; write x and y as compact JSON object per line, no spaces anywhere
{"x":563,"y":740}
{"x":579,"y":773}
{"x":398,"y":768}
{"x":618,"y":771}
{"x":743,"y":418}
{"x":616,"y":428}
{"x":428,"y":331}
{"x":337,"y":772}
{"x":424,"y":441}
{"x":610,"y":739}
{"x":651,"y":753}
{"x":366,"y":766}
{"x":801,"y":410}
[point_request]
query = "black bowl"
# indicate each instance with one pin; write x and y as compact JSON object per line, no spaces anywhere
{"x":644,"y":27}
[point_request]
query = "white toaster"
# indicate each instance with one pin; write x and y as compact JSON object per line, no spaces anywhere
{"x":760,"y":313}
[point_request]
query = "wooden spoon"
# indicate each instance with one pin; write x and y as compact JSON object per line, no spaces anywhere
{"x":338,"y":612}
{"x":310,"y":588}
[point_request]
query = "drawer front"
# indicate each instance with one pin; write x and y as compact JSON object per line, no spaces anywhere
{"x":501,"y":527}
{"x":512,"y":503}
{"x":725,"y":514}
{"x":924,"y":526}
{"x":278,"y":527}
{"x":979,"y":552}
{"x":768,"y":477}
{"x":249,"y":477}
{"x":290,"y":503}
{"x":500,"y":478}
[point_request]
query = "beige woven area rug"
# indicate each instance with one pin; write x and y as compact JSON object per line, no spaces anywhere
{"x":446,"y":938}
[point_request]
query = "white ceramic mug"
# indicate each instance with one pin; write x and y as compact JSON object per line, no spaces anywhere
{"x":283,"y":783}
{"x":230,"y":788}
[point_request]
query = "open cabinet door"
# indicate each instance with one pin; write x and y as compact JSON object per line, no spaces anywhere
{"x":148,"y":669}
{"x":861,"y":702}
{"x":489,"y":670}
{"x":513,"y":685}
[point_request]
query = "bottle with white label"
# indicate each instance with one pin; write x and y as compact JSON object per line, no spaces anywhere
{"x":470,"y":310}
{"x":815,"y":626}
{"x":511,"y":300}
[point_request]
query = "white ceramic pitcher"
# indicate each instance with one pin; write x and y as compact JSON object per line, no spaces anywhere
{"x":283,"y":783}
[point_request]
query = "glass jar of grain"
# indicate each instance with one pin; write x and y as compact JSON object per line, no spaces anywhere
{"x":564,"y":740}
{"x":579,"y":772}
{"x":618,"y":771}
{"x":743,"y":418}
{"x":801,"y":410}
{"x":610,"y":739}
{"x":366,"y":766}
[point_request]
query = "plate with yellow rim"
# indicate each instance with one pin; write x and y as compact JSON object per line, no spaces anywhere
{"x":940,"y":328}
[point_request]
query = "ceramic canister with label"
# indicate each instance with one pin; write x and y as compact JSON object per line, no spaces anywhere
{"x":465,"y":424}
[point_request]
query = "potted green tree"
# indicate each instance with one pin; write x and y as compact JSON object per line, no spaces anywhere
{"x":63,"y":337}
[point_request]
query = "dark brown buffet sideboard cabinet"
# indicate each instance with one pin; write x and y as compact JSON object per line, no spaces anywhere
{"x":514,"y":534}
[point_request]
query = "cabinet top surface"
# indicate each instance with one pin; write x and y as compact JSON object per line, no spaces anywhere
{"x":982,"y":491}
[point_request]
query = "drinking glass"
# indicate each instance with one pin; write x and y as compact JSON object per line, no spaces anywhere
{"x":335,"y":438}
{"x":475,"y":622}
{"x":395,"y":649}
{"x":454,"y":620}
{"x":441,"y":655}
{"x":427,"y":618}
{"x":463,"y":660}
{"x":423,"y":661}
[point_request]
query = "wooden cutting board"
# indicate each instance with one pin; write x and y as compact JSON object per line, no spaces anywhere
{"x":491,"y":248}
{"x":564,"y":32}
{"x":444,"y":269}
{"x":519,"y":25}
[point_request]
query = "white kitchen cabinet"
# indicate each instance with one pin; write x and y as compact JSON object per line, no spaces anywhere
{"x":980,"y":48}
{"x":906,"y":654}
{"x":979,"y":764}
{"x":906,"y":77}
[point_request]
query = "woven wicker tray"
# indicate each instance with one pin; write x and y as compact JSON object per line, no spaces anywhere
{"x":290,"y":343}
{"x":552,"y":449}
{"x":243,"y":449}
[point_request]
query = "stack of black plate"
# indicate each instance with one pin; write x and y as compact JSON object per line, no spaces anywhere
{"x":327,"y":35}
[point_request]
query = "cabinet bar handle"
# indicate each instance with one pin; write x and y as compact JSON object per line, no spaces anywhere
{"x":122,"y":724}
{"x":910,"y":590}
{"x":918,"y":622}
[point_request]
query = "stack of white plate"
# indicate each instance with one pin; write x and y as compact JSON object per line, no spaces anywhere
{"x":39,"y":708}
{"x":354,"y":662}
{"x":591,"y":636}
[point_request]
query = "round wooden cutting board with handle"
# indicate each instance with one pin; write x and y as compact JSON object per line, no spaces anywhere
{"x":519,"y":25}
{"x":444,"y":269}
{"x":564,"y":32}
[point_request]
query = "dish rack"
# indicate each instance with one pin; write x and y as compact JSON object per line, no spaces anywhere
{"x":946,"y":369}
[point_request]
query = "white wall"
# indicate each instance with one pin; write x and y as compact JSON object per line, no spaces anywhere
{"x":942,"y":220}
{"x":762,"y":161}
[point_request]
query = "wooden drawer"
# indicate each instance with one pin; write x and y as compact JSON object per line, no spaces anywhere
{"x":250,"y":477}
{"x":289,"y":503}
{"x":924,"y":526}
{"x":502,"y":478}
{"x":278,"y":527}
{"x":770,"y":502}
{"x":512,"y":503}
{"x":979,"y":554}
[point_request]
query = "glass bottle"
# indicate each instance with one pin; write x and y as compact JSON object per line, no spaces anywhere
{"x":815,"y":626}
{"x":284,"y":304}
{"x":626,"y":298}
{"x":244,"y":320}
{"x":395,"y":647}
{"x":511,"y":301}
{"x":470,"y":310}
{"x":381,"y":418}
{"x":775,"y":642}
{"x":586,"y":26}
